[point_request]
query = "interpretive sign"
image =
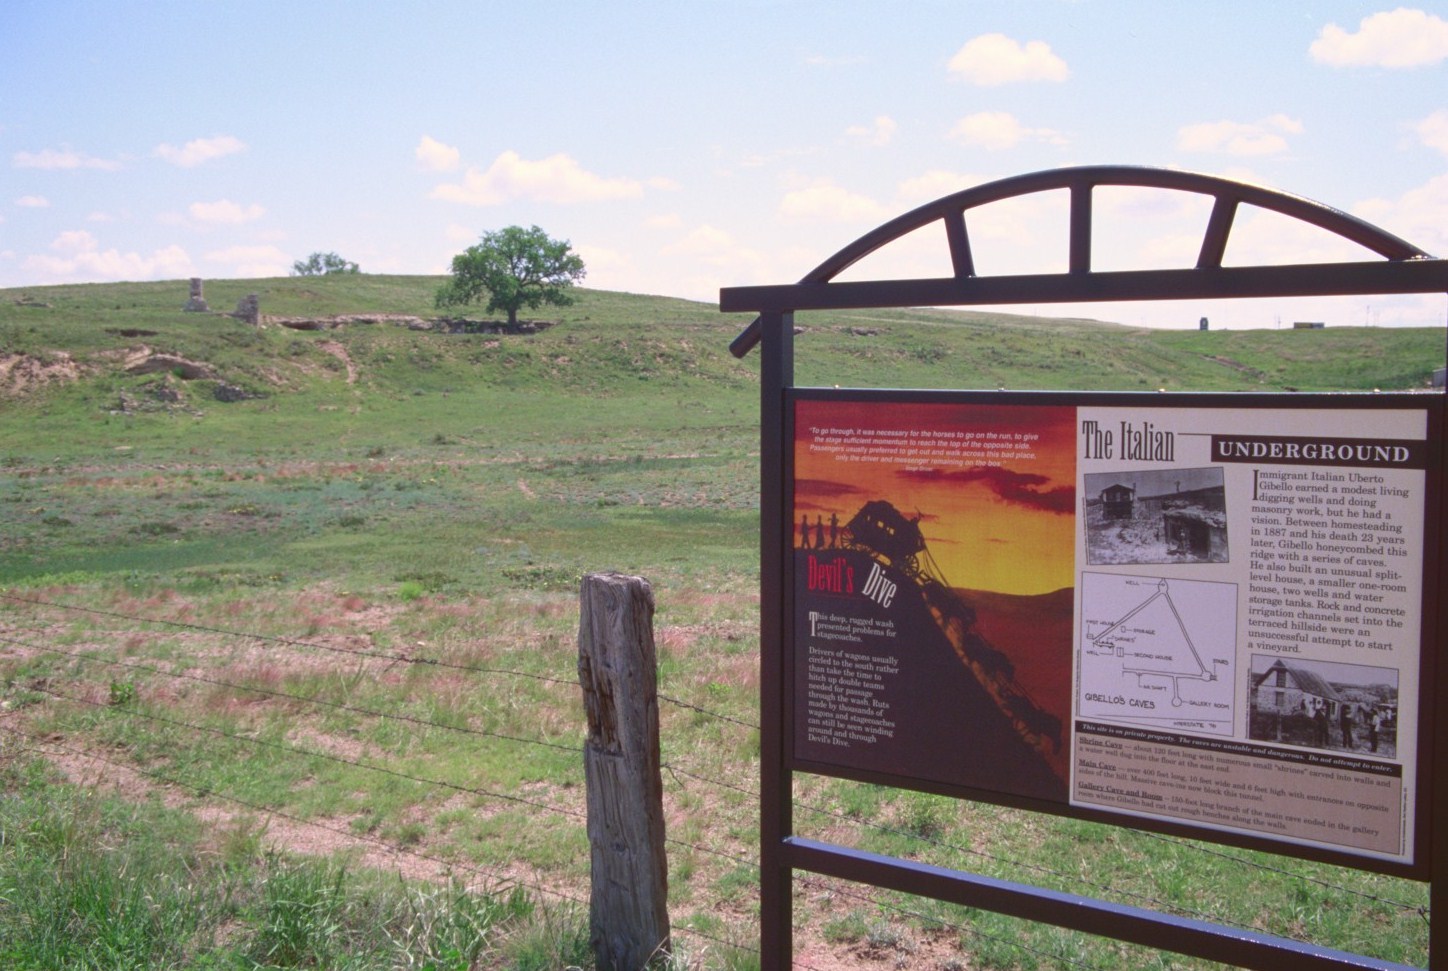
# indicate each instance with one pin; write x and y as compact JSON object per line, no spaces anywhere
{"x":1203,"y":612}
{"x":1216,"y":616}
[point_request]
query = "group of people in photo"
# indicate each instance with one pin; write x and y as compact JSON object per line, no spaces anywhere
{"x":1359,"y":727}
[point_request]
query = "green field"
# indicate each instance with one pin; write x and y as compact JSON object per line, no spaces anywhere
{"x":244,"y":569}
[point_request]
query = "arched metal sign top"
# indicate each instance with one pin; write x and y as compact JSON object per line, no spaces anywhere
{"x":1404,"y":269}
{"x":790,"y":417}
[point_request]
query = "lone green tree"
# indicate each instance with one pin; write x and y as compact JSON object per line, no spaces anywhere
{"x":513,"y":268}
{"x":321,"y":264}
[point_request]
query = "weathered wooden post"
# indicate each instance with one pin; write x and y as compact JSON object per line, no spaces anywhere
{"x":628,"y":914}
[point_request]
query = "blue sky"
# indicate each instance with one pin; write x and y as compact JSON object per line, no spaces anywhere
{"x":683,"y":146}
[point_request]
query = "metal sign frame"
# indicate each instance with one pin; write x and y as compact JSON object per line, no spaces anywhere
{"x":1403,"y":268}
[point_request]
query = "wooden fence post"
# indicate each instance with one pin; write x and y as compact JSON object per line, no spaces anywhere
{"x":628,"y":913}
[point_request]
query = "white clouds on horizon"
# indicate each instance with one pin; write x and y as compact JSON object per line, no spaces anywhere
{"x":825,"y":201}
{"x":605,"y":261}
{"x":1420,"y":215}
{"x":78,"y":256}
{"x":935,"y":184}
{"x":251,"y":261}
{"x":434,"y":156}
{"x":557,"y":179}
{"x":998,"y":130}
{"x":991,"y":60}
{"x":1265,"y":137}
{"x":33,"y":202}
{"x":1401,"y":38}
{"x":1433,"y":130}
{"x":716,"y":248}
{"x":65,"y":159}
{"x":200,"y":150}
{"x":224,"y":212}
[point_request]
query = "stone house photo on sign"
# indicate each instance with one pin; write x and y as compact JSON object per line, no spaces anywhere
{"x":1339,"y":707}
{"x":1156,"y":516}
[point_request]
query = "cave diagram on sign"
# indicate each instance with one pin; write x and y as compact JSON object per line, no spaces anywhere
{"x":1157,"y":651}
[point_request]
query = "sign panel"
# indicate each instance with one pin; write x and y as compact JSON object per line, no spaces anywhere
{"x":1178,"y":609}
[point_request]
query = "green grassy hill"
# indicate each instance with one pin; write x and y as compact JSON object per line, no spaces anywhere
{"x":140,"y":438}
{"x":229,"y":553}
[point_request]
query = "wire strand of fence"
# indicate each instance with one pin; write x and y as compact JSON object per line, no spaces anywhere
{"x":43,"y":744}
{"x":481,"y":670}
{"x":719,"y":716}
{"x":354,"y":652}
{"x":395,"y":657}
{"x":272,"y":693}
{"x":712,"y":938}
{"x":313,"y":754}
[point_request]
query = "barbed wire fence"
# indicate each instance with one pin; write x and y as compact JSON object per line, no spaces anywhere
{"x":34,"y":640}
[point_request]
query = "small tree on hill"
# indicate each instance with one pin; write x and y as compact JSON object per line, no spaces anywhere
{"x":321,"y":264}
{"x":513,"y":268}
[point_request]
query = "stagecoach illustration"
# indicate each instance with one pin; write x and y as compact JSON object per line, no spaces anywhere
{"x":895,"y":540}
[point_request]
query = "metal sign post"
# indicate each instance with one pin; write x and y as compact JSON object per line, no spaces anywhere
{"x":1187,"y":705}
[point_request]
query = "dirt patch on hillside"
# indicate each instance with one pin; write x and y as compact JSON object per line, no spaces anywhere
{"x":1238,"y":366}
{"x":143,"y":360}
{"x":21,"y":374}
{"x":342,"y":320}
{"x":340,"y":353}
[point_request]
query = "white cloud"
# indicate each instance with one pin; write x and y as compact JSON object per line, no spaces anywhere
{"x":33,"y":202}
{"x":200,"y":150}
{"x":1265,"y":137}
{"x":878,"y":133}
{"x":1393,"y":39}
{"x":666,"y":220}
{"x":557,"y":179}
{"x":995,"y":59}
{"x":65,"y":158}
{"x":79,"y":257}
{"x":251,"y":261}
{"x":827,"y":202}
{"x":458,"y":233}
{"x":433,"y":155}
{"x":996,"y":130}
{"x":934,"y":184}
{"x":1433,"y":130}
{"x":603,"y":262}
{"x":1420,"y":215}
{"x":1137,"y":203}
{"x":1261,"y":237}
{"x":714,"y":246}
{"x":224,"y":212}
{"x":73,"y":241}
